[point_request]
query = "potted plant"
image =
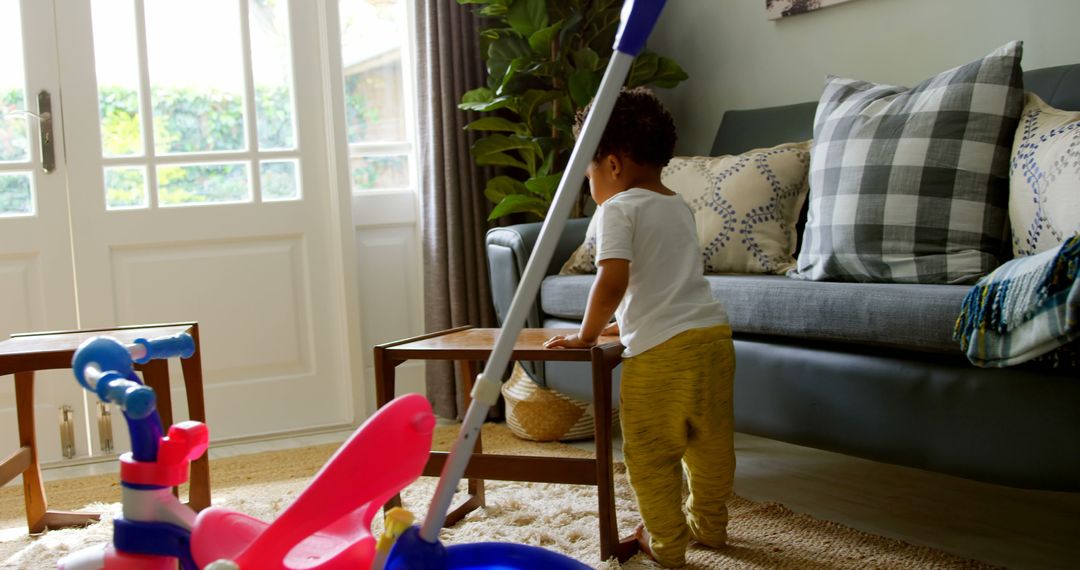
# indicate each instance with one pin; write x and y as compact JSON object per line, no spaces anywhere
{"x":545,"y":60}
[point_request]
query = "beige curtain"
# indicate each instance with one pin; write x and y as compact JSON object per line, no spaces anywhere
{"x":452,"y":205}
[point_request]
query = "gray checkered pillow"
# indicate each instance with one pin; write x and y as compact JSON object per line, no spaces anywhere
{"x":911,"y":185}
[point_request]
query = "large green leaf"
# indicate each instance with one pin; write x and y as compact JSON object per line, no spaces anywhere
{"x":493,"y":11}
{"x":501,"y":159}
{"x":502,"y":53}
{"x":494,"y":104}
{"x":586,"y":58}
{"x":481,"y":95}
{"x":500,"y":143}
{"x":496,"y":124}
{"x":668,"y":73}
{"x":509,"y":47}
{"x":510,"y":74}
{"x":544,"y":186}
{"x":571,"y":27}
{"x":643,"y":70}
{"x":516,"y":203}
{"x":500,"y":187}
{"x":583,"y":85}
{"x":532,"y":99}
{"x":527,"y":16}
{"x":491,"y":150}
{"x":540,"y":40}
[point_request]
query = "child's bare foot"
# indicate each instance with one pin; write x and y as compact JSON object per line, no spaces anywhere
{"x":642,"y":537}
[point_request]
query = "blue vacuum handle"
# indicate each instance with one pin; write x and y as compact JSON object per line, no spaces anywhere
{"x":637,"y":22}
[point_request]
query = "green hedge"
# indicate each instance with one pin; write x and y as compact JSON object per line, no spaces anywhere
{"x":186,"y":120}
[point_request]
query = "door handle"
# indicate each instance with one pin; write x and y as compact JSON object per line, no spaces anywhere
{"x":45,"y":133}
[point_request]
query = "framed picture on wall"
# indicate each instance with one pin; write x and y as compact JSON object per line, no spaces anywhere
{"x":776,"y":9}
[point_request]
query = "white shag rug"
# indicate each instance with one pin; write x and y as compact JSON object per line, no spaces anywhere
{"x":562,"y":518}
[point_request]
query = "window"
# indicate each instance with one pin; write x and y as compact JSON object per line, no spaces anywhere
{"x":195,"y":119}
{"x":377,"y":71}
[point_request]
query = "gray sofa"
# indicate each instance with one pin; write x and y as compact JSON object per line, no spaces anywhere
{"x":869,"y":370}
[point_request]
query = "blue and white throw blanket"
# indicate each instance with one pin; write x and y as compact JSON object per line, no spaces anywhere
{"x":1025,"y":310}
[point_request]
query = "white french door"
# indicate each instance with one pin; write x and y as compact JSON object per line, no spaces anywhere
{"x":37,"y":281}
{"x":193,"y":183}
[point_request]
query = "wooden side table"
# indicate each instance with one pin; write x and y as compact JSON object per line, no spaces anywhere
{"x":467,"y":346}
{"x":23,"y":354}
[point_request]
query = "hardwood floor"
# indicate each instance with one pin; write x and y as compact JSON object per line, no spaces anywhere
{"x":999,"y":525}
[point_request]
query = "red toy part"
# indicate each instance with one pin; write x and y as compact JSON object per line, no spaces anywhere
{"x":329,"y":525}
{"x":185,"y":442}
{"x":116,"y":560}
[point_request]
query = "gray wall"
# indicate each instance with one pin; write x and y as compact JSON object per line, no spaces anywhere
{"x":738,"y":59}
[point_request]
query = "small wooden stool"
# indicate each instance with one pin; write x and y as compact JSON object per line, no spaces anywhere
{"x":25,"y":353}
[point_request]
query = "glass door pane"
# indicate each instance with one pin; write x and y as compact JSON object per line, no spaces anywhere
{"x":222,"y":116}
{"x":16,"y":181}
{"x":373,"y":42}
{"x":196,"y":79}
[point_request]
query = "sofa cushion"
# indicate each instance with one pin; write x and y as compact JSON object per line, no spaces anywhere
{"x":913,"y":317}
{"x":745,"y":206}
{"x":1044,"y":178}
{"x":911,"y":185}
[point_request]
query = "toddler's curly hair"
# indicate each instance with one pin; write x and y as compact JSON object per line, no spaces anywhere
{"x":640,"y":127}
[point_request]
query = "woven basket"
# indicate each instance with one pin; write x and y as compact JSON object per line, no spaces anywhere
{"x":541,"y":414}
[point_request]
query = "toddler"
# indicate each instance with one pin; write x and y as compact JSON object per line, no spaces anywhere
{"x":679,"y":362}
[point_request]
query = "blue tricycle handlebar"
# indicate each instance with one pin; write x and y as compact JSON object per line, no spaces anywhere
{"x":104,"y":366}
{"x":136,"y":400}
{"x":181,"y":345}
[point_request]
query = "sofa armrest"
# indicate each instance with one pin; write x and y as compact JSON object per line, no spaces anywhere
{"x":508,"y":250}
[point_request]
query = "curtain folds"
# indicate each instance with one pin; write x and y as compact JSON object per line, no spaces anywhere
{"x":453,"y":210}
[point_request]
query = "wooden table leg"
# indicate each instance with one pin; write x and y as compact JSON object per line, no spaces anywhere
{"x":199,"y":489}
{"x":604,"y":360}
{"x":385,"y":385}
{"x":38,"y":515}
{"x":385,"y":380}
{"x":33,"y":488}
{"x":156,"y":376}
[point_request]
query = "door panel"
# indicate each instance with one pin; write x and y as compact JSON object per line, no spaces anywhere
{"x":250,"y":261}
{"x":36,"y":278}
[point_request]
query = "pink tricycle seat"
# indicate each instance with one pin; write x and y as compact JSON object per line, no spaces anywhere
{"x":329,"y":525}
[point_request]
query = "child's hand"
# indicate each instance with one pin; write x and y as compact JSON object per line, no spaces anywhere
{"x":610,"y":330}
{"x":568,"y":341}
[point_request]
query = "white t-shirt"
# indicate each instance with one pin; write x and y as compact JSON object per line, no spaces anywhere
{"x":667,"y":293}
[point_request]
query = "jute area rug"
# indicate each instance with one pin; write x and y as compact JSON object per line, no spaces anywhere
{"x":558,"y":517}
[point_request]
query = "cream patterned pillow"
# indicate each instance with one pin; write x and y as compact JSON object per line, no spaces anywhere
{"x":583,"y":260}
{"x":745,"y":206}
{"x":1044,"y":178}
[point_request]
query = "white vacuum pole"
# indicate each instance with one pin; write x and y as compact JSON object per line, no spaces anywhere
{"x":638,"y":19}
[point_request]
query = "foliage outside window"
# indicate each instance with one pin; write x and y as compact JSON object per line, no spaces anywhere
{"x":15,"y":193}
{"x":196,"y":121}
{"x":545,"y":60}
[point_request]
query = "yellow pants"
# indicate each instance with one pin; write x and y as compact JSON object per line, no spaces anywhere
{"x":676,"y":411}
